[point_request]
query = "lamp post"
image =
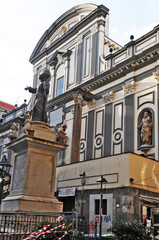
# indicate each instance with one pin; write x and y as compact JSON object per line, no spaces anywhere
{"x":101,"y":180}
{"x":83,"y":182}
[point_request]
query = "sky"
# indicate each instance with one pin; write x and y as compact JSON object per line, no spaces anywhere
{"x":23,"y":22}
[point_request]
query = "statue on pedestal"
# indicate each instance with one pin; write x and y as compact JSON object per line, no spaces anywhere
{"x":145,"y":126}
{"x":61,"y":134}
{"x":15,"y":127}
{"x":39,"y":111}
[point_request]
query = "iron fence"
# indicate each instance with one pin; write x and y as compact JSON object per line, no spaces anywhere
{"x":27,"y":222}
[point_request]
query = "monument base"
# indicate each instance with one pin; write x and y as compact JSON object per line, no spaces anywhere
{"x":24,"y":203}
{"x":34,"y":171}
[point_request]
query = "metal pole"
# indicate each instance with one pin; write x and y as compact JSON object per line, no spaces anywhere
{"x":1,"y":190}
{"x":101,"y":196}
{"x":76,"y":221}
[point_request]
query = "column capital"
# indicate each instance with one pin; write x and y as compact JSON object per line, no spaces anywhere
{"x":156,"y":74}
{"x":108,"y":97}
{"x":78,"y":98}
{"x":129,"y":86}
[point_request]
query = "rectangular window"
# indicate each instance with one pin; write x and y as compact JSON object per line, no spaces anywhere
{"x":60,"y":86}
{"x":97,"y":203}
{"x":104,"y":206}
{"x":86,"y":55}
{"x":72,"y":67}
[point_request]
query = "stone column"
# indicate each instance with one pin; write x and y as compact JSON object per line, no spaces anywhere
{"x":76,"y":135}
{"x":129,"y":89}
{"x":108,"y":99}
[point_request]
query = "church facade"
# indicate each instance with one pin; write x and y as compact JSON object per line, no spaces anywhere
{"x":108,"y":96}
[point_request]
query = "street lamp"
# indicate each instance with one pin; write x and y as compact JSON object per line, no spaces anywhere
{"x":101,"y":180}
{"x":83,"y":182}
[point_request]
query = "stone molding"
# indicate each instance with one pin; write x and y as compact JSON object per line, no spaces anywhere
{"x":94,"y":29}
{"x":79,"y":39}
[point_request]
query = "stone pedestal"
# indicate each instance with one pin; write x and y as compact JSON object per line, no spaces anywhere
{"x":34,"y":171}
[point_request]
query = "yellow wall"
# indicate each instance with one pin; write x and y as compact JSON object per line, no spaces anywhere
{"x":145,"y":173}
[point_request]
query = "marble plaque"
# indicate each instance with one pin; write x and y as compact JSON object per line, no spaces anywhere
{"x":19,"y":172}
{"x":56,"y":117}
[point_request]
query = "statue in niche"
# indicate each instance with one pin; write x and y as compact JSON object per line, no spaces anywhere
{"x":15,"y":127}
{"x":39,"y":111}
{"x":146,"y":127}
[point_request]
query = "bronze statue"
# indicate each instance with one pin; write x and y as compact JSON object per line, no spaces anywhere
{"x":145,"y":126}
{"x":39,"y":111}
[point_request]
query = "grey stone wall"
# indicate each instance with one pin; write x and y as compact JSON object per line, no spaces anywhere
{"x":126,"y":202}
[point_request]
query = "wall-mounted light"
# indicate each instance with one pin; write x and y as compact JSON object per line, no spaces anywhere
{"x":83,"y":181}
{"x":131,"y":180}
{"x":82,"y":174}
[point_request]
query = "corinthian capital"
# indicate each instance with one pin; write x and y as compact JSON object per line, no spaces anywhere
{"x":108,"y":97}
{"x":91,"y":104}
{"x":156,"y":74}
{"x":129,"y":87}
{"x":78,"y":99}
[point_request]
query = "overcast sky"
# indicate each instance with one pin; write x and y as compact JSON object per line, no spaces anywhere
{"x":22,"y":23}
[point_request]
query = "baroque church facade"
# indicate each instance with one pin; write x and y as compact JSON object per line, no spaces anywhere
{"x":108,"y":96}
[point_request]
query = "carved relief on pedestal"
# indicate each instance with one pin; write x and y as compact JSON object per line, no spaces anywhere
{"x":129,"y":87}
{"x":108,"y":97}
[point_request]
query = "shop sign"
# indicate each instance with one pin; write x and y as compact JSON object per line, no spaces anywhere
{"x":66,"y":192}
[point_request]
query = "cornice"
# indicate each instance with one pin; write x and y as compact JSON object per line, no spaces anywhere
{"x":131,"y":64}
{"x":68,"y":96}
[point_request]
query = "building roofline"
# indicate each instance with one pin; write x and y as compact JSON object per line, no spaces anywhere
{"x":96,"y":10}
{"x":6,"y":105}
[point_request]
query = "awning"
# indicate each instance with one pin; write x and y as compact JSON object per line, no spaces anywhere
{"x":67,"y":192}
{"x":149,"y":199}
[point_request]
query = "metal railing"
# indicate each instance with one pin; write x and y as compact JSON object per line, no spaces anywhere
{"x":11,"y":222}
